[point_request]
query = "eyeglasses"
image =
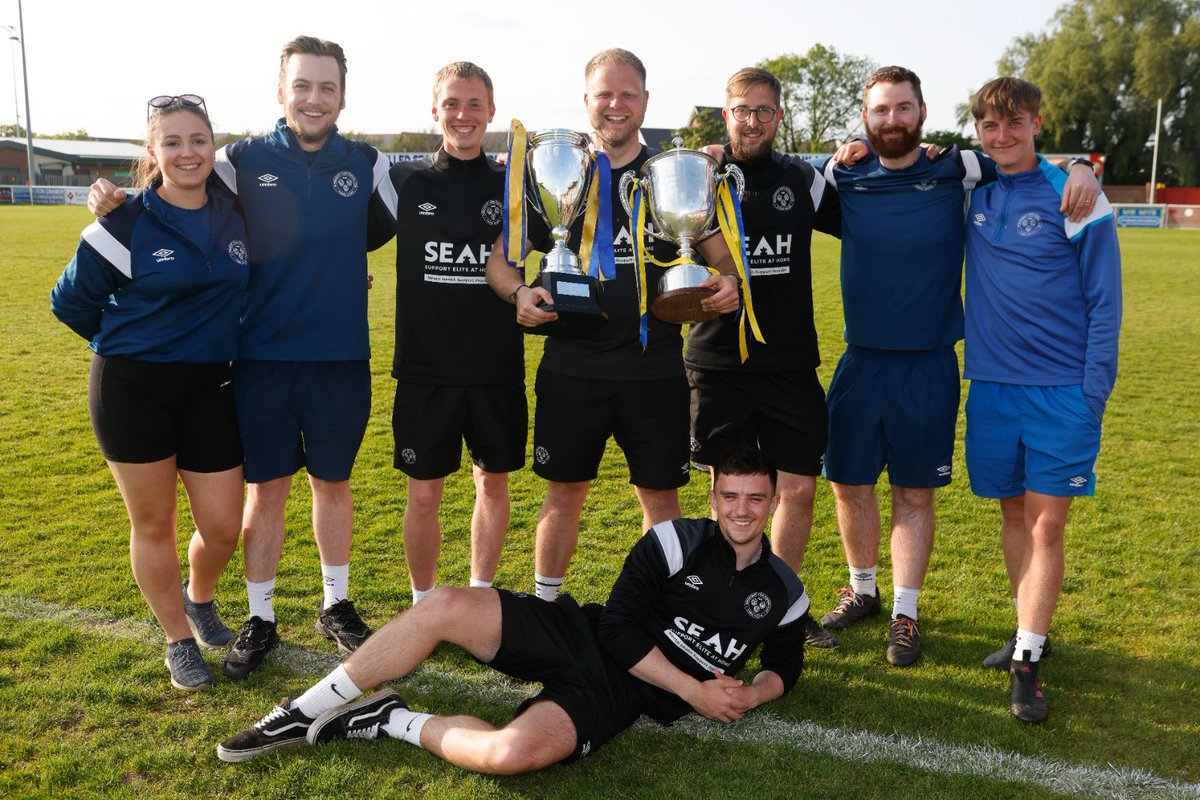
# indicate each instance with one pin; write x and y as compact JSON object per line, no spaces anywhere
{"x":763,"y":114}
{"x":168,"y":100}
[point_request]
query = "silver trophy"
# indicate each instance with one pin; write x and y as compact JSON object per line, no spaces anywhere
{"x":681,"y":192}
{"x":559,"y":171}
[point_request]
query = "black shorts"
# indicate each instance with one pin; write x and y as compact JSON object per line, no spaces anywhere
{"x":429,"y":424}
{"x":575,"y":416}
{"x":781,"y":412}
{"x":145,"y":411}
{"x":555,"y":644}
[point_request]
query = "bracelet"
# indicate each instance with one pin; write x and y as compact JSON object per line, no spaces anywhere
{"x":1083,"y":161}
{"x":512,"y":298}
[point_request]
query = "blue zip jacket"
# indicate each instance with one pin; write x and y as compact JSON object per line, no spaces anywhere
{"x":1043,"y":293}
{"x":139,"y":287}
{"x":307,"y":213}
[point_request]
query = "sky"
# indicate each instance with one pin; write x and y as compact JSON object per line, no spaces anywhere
{"x":93,"y":65}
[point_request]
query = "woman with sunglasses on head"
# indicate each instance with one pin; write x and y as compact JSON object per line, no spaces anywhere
{"x":156,"y":288}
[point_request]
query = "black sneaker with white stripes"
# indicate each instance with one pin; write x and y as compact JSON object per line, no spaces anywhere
{"x":282,"y":727}
{"x":361,"y":719}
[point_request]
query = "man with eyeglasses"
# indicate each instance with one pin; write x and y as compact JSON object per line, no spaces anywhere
{"x":774,"y":400}
{"x":302,"y":379}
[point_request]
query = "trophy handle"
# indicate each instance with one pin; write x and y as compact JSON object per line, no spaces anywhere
{"x":739,"y":180}
{"x":627,"y":178}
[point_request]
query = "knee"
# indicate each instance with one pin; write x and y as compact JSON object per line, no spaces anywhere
{"x":329,"y":490}
{"x":268,"y":496}
{"x":907,"y":499}
{"x":798,"y":495}
{"x":424,"y":497}
{"x":222,"y":532}
{"x":508,"y":754}
{"x":566,"y":498}
{"x":446,"y":602}
{"x":492,"y":485}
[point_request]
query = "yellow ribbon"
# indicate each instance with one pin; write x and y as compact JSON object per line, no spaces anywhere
{"x":514,"y":244}
{"x":727,"y":219}
{"x":590,"y":216}
{"x":638,"y":224}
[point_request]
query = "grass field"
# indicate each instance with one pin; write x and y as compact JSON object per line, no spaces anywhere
{"x":88,"y":711}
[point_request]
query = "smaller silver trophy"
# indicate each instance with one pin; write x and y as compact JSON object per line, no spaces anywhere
{"x":681,"y":192}
{"x":559,"y":171}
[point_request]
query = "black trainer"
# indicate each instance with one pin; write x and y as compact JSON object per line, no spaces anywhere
{"x":851,"y":608}
{"x":816,"y":636}
{"x":205,"y":624}
{"x":904,"y":642}
{"x":1002,"y":658}
{"x":341,"y":623}
{"x":256,"y":638}
{"x":361,"y":719}
{"x":282,"y":727}
{"x":1028,"y":702}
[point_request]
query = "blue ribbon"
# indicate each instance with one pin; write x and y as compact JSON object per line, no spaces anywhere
{"x":639,"y":255}
{"x":602,"y":262}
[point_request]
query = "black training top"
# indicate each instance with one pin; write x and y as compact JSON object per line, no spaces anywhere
{"x":785,"y":199}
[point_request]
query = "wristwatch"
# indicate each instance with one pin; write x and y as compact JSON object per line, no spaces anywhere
{"x":1083,"y":161}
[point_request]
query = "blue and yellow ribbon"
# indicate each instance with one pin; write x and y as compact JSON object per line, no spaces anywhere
{"x":637,"y":223}
{"x":515,"y":234}
{"x":597,"y":223}
{"x":729,"y":218}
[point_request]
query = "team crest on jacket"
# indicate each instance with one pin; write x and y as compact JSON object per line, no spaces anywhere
{"x":344,"y":183}
{"x":1029,"y":224}
{"x":492,"y":212}
{"x":783,"y":199}
{"x":758,"y":605}
{"x":238,"y":252}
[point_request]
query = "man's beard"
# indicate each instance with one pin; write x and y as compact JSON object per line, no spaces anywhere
{"x":751,"y":152}
{"x":894,"y":148}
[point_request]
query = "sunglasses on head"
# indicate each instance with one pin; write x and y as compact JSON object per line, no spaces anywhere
{"x":168,"y":100}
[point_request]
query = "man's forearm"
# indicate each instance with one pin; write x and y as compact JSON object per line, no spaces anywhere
{"x":502,"y":277}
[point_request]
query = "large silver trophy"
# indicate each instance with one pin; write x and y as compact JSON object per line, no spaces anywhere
{"x":681,"y":192}
{"x":559,"y":170}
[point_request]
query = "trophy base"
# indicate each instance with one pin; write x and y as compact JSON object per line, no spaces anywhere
{"x":679,"y":306}
{"x":577,"y":303}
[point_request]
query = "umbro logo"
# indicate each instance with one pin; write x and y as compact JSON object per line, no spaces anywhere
{"x":858,"y":187}
{"x":980,"y":219}
{"x":163,"y":254}
{"x":267,"y":179}
{"x":426,"y":209}
{"x":1078,"y":481}
{"x":693,"y":582}
{"x":944,"y":470}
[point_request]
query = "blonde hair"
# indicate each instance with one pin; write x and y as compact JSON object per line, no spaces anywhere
{"x":615,"y":55}
{"x":746,"y":77}
{"x":462,"y":70}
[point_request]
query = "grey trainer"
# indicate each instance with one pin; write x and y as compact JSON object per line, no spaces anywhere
{"x":205,"y":624}
{"x":188,"y":670}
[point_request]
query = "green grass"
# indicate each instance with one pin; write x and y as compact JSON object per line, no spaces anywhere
{"x":88,"y":710}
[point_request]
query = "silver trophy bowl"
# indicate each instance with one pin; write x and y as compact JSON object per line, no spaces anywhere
{"x":681,"y":193}
{"x":560,"y":172}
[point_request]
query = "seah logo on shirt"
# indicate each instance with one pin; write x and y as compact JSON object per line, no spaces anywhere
{"x":267,"y":179}
{"x":345,"y":184}
{"x":163,"y":254}
{"x":426,"y":209}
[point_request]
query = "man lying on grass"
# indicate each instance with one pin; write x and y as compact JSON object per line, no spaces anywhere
{"x":693,"y":601}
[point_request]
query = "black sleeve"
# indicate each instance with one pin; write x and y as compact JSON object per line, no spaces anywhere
{"x":638,"y":587}
{"x":381,"y":224}
{"x":783,"y":653}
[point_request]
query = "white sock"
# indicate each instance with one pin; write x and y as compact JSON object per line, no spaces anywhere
{"x":406,"y":724}
{"x":546,"y":588}
{"x":419,"y":594}
{"x":862,"y":580}
{"x":262,"y":599}
{"x":333,"y":690}
{"x":904,"y":601}
{"x":1029,"y":645}
{"x":476,"y":583}
{"x":337,"y":583}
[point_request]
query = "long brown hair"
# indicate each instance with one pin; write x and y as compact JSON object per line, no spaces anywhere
{"x":145,"y":170}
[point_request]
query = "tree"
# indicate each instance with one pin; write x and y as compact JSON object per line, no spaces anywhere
{"x":822,"y":96}
{"x":15,"y":131}
{"x":1103,"y":67}
{"x":80,"y":134}
{"x":947,"y":138}
{"x":703,"y":129}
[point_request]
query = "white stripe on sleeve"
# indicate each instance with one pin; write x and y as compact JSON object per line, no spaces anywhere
{"x":384,"y":186}
{"x":817,"y":190}
{"x":970,"y":162}
{"x":1101,"y":210}
{"x":668,"y":540}
{"x":108,"y":247}
{"x":225,"y":169}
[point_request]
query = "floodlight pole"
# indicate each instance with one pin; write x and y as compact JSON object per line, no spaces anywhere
{"x":1153,"y":162}
{"x":28,"y":124}
{"x":12,"y":39}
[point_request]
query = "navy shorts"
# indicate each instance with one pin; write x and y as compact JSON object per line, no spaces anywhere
{"x":648,"y":419}
{"x":555,"y":644}
{"x":145,"y":411}
{"x":297,"y":414}
{"x":1041,"y":438}
{"x":783,"y":413}
{"x":893,"y":408}
{"x":429,"y":424}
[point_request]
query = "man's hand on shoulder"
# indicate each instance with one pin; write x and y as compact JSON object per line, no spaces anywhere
{"x":1080,"y":192}
{"x":851,"y":153}
{"x":104,"y":197}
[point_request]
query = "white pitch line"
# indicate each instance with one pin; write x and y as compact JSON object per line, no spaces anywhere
{"x":1118,"y":783}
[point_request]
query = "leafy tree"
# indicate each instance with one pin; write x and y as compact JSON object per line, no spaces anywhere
{"x":16,"y":131}
{"x":822,"y":96}
{"x":947,"y":138}
{"x":704,"y":129}
{"x":79,"y":134}
{"x":1103,"y":67}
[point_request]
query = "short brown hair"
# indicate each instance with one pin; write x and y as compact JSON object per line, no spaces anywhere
{"x":615,"y":55}
{"x":312,"y":46}
{"x":746,"y":77}
{"x":1008,"y":97}
{"x":894,"y":74}
{"x":461,"y":70}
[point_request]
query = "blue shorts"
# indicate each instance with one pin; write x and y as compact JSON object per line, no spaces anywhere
{"x":1043,"y":439}
{"x":295,"y":414}
{"x":896,"y":409}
